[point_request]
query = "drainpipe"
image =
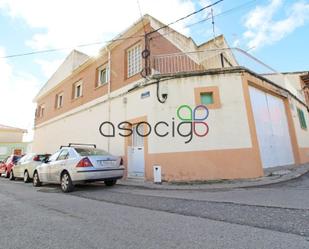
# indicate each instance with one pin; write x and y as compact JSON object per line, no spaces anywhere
{"x":108,"y":95}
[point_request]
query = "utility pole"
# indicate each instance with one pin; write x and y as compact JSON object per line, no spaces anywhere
{"x":213,"y":24}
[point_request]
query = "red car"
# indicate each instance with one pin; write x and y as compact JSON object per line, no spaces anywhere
{"x":7,"y":165}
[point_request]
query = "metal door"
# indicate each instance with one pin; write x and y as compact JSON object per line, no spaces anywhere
{"x":272,"y":129}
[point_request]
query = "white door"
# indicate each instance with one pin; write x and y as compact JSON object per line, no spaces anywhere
{"x":272,"y":129}
{"x":136,"y":162}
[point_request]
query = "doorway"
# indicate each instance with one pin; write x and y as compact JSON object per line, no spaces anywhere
{"x":136,"y":157}
{"x":272,"y":129}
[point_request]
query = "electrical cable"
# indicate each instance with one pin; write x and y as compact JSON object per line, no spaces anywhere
{"x":112,"y":40}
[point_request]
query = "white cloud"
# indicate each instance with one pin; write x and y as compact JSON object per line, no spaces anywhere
{"x":17,"y":91}
{"x":49,"y":66}
{"x":58,"y":24}
{"x":263,"y":29}
{"x":70,"y":22}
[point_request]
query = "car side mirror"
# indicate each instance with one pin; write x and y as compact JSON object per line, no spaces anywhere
{"x":46,"y":160}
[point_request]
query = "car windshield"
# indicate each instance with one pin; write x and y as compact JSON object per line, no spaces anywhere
{"x":16,"y":159}
{"x":91,"y":152}
{"x":43,"y":157}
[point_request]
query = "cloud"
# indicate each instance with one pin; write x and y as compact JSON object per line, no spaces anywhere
{"x":49,"y":67}
{"x":61,"y":24}
{"x":262,"y":29}
{"x":70,"y":22}
{"x":17,"y":90}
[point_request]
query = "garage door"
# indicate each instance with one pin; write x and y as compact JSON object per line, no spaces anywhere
{"x":272,"y":129}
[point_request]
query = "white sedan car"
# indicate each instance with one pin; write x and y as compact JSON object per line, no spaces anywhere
{"x":79,"y":163}
{"x":25,"y":167}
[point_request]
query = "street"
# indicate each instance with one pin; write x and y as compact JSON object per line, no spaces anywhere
{"x":95,"y":216}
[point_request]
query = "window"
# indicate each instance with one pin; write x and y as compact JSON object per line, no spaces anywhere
{"x":78,"y":89}
{"x":103,"y":76}
{"x":42,"y":110}
{"x":59,"y":100}
{"x":91,"y":152}
{"x":134,"y":60}
{"x":302,"y":120}
{"x":54,"y":156}
{"x":3,"y":150}
{"x":17,"y":153}
{"x":208,"y":96}
{"x":63,"y":155}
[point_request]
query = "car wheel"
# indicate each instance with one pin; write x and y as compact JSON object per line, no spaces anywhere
{"x":36,"y":180}
{"x":66,"y":183}
{"x":110,"y":183}
{"x":11,"y":176}
{"x":26,"y":177}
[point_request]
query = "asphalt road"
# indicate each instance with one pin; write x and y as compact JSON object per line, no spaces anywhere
{"x":95,"y":216}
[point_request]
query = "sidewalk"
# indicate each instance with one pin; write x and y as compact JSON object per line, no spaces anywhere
{"x":272,"y":176}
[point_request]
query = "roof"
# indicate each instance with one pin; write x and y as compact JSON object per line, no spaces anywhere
{"x":77,"y":60}
{"x":71,"y":62}
{"x":11,"y":128}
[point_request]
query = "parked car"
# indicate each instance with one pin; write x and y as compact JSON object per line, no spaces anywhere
{"x":7,"y":165}
{"x":2,"y":165}
{"x":79,"y":163}
{"x":25,"y":167}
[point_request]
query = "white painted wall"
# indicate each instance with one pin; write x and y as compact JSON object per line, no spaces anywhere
{"x":288,"y":81}
{"x":228,"y":125}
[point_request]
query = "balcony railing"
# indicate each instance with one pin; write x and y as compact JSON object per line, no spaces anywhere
{"x":193,"y":61}
{"x":215,"y":59}
{"x":207,"y":59}
{"x":174,"y":63}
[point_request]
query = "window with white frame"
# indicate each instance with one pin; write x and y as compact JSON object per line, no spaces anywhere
{"x":78,"y":89}
{"x":103,"y":75}
{"x":134,"y":60}
{"x":59,"y":100}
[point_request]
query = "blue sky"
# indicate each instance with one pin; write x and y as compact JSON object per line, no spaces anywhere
{"x":275,"y":31}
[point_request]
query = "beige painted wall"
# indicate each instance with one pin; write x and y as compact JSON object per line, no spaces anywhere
{"x":301,"y":134}
{"x":11,"y":136}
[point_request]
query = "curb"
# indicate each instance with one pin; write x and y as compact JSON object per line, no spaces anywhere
{"x":258,"y":182}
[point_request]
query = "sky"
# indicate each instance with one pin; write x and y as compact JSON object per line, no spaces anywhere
{"x":274,"y":31}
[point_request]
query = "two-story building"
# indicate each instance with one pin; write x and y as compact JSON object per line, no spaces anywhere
{"x":141,"y":98}
{"x":11,"y":141}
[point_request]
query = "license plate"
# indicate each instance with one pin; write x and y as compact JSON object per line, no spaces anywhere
{"x":106,"y":163}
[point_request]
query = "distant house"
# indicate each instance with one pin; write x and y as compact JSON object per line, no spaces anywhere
{"x":156,"y":84}
{"x":11,"y":141}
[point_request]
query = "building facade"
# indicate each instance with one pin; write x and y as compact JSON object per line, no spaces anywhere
{"x":144,"y":98}
{"x":11,"y":141}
